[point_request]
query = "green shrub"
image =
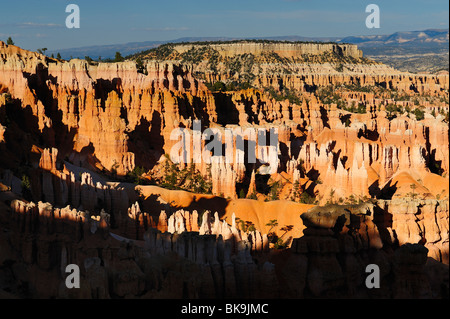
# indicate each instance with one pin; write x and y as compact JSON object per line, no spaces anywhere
{"x":114,"y":168}
{"x":361,"y":108}
{"x":340,"y":67}
{"x":419,"y":113}
{"x":118,"y":57}
{"x":275,"y":190}
{"x":219,"y":86}
{"x":140,"y":66}
{"x":188,"y":178}
{"x":26,"y":187}
{"x":348,"y":122}
{"x":136,"y":175}
{"x":305,"y":198}
{"x":284,"y":94}
{"x":88,"y":60}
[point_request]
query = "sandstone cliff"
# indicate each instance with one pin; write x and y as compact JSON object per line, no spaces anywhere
{"x":75,"y":137}
{"x":217,"y":261}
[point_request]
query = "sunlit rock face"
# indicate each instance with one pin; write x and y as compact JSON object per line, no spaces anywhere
{"x":73,"y":134}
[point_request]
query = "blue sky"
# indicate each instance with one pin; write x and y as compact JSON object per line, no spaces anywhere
{"x":36,"y":24}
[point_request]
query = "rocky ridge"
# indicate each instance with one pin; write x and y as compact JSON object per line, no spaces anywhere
{"x":107,"y":119}
{"x":217,"y":261}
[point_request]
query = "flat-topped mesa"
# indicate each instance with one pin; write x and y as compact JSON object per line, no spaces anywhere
{"x":292,"y":65}
{"x":283,"y":49}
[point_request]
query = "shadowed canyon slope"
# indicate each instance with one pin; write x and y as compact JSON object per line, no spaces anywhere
{"x":361,"y":174}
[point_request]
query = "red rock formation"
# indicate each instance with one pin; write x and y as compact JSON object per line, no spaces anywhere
{"x":421,"y":221}
{"x":109,"y":118}
{"x":103,"y":103}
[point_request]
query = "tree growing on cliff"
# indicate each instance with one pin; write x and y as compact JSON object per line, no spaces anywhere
{"x":275,"y":190}
{"x":392,"y":110}
{"x":352,"y":199}
{"x":118,"y":57}
{"x":347,"y":122}
{"x":246,"y":226}
{"x":305,"y":198}
{"x":280,"y":243}
{"x":419,"y":113}
{"x":114,"y":168}
{"x":361,"y":108}
{"x":253,"y":196}
{"x":296,"y":190}
{"x":26,"y":187}
{"x":339,"y":67}
{"x":136,"y":175}
{"x":188,"y":178}
{"x":272,"y":223}
{"x":413,"y":188}
{"x":218,"y":87}
{"x":140,"y":66}
{"x":9,"y":41}
{"x":271,"y":236}
{"x":286,"y":229}
{"x":42,"y":50}
{"x":170,"y":179}
{"x":88,"y":60}
{"x":331,"y":197}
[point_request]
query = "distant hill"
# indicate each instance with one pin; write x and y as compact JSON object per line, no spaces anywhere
{"x":126,"y":49}
{"x":106,"y":51}
{"x":428,"y":37}
{"x":414,"y":51}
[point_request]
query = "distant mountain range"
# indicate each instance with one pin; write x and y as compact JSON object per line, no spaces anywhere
{"x":428,"y":37}
{"x":108,"y":51}
{"x":414,"y":51}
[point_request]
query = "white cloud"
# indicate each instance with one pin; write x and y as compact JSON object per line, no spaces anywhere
{"x":38,"y":25}
{"x":13,"y":35}
{"x":164,"y":29}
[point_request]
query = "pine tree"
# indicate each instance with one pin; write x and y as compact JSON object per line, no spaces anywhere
{"x":118,"y":57}
{"x":413,"y":187}
{"x":9,"y":41}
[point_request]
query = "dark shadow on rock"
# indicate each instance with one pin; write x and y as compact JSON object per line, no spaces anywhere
{"x":146,"y":141}
{"x":374,"y":189}
{"x":213,"y":204}
{"x":227,"y":112}
{"x":388,"y":190}
{"x":324,"y":117}
{"x":103,"y":87}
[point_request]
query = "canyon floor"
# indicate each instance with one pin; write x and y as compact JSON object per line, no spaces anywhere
{"x":358,"y":174}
